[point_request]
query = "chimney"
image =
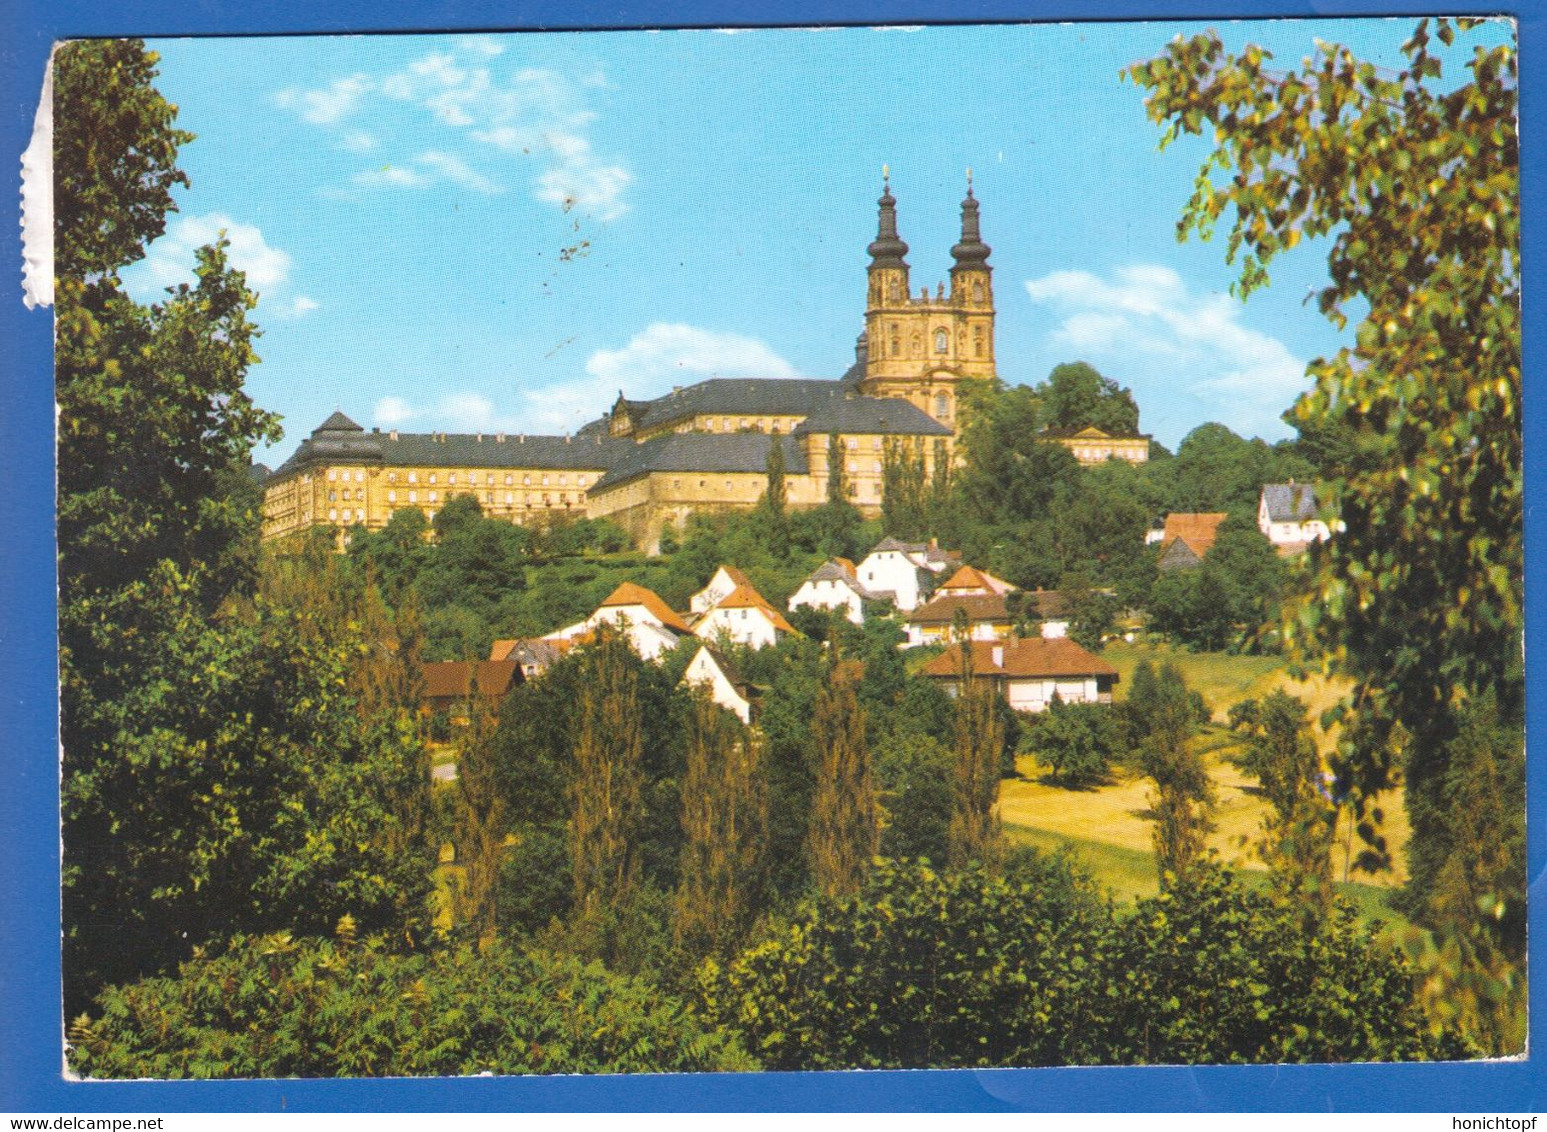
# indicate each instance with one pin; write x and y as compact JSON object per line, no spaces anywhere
{"x":499,"y":438}
{"x":393,"y":434}
{"x":478,"y":439}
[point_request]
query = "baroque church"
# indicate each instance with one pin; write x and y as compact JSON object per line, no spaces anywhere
{"x":648,"y":464}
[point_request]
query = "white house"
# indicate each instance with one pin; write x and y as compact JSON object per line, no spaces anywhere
{"x":648,"y":622}
{"x":725,"y":579}
{"x":904,"y":571}
{"x":1028,"y":673}
{"x":833,"y":585}
{"x":1287,"y":515}
{"x":711,"y":670}
{"x":744,"y":617}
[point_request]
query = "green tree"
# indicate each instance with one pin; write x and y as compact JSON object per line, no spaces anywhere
{"x":479,"y":825}
{"x":973,"y":835}
{"x":1162,"y":716}
{"x":1075,"y":741}
{"x":725,"y":830}
{"x":1209,"y":971}
{"x":1075,"y":395}
{"x":278,"y":1006}
{"x":921,"y":969}
{"x":607,"y":783}
{"x":905,"y":490}
{"x":843,"y":834}
{"x":1282,"y":757}
{"x":1415,"y":176}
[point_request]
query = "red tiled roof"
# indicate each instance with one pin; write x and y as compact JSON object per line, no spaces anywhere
{"x":501,"y":650}
{"x":453,"y":679}
{"x":631,"y":594}
{"x":978,"y":607}
{"x":1029,"y":658}
{"x":1197,"y":529}
{"x":966,"y":578}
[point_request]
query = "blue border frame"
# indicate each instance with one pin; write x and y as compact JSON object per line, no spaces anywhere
{"x":30,"y":1072}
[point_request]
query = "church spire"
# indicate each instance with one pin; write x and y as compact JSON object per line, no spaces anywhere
{"x":887,"y":250}
{"x":971,"y":251}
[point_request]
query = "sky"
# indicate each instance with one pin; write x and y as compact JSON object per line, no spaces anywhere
{"x":501,"y":232}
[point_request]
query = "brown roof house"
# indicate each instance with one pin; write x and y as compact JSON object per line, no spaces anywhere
{"x":449,"y":685}
{"x":1187,"y":538}
{"x":1029,"y":672}
{"x":743,"y":616}
{"x":650,"y":625}
{"x":988,"y":618}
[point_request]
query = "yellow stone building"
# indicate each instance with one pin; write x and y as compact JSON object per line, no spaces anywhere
{"x":648,"y":464}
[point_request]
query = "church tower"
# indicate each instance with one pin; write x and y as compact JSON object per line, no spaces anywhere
{"x":920,"y":348}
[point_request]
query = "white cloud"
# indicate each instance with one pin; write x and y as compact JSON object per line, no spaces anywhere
{"x":337,"y":101}
{"x":462,"y":411}
{"x":672,"y":349}
{"x":1144,"y":323}
{"x":171,"y":261}
{"x":531,"y":113}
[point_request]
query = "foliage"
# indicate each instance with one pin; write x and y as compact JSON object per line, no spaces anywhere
{"x":921,"y":969}
{"x":725,"y":829}
{"x":1075,"y":395}
{"x":843,"y":832}
{"x":277,"y":1006}
{"x":1161,"y":718}
{"x":1231,"y":596}
{"x":973,"y":835}
{"x":1299,"y":827}
{"x":479,"y":826}
{"x":1077,"y":742}
{"x":916,"y":773}
{"x":1420,"y":597}
{"x":1210,"y":971}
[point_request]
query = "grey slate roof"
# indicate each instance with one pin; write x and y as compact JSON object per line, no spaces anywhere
{"x":732,"y":396}
{"x":1289,"y":502}
{"x":703,"y":452}
{"x":871,"y":415}
{"x":352,"y":444}
{"x":830,"y":571}
{"x":259,"y":472}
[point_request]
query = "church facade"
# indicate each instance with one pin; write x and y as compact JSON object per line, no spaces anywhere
{"x":648,"y":464}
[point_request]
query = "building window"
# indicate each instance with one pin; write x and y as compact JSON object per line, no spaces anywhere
{"x":942,"y":341}
{"x":452,"y":478}
{"x":853,"y":443}
{"x":510,"y":497}
{"x":580,"y":480}
{"x":332,"y":497}
{"x":332,"y":475}
{"x":977,"y":291}
{"x":509,"y":479}
{"x":432,"y":477}
{"x":413,"y":497}
{"x":853,"y":467}
{"x":413,"y":477}
{"x":526,"y":481}
{"x":392,"y":477}
{"x":490,"y":480}
{"x":876,"y":443}
{"x":942,"y":406}
{"x":728,"y":485}
{"x":977,"y":342}
{"x":333,"y":514}
{"x":545,"y":484}
{"x":391,"y":497}
{"x":561,"y":481}
{"x":359,"y":477}
{"x":896,"y":343}
{"x":676,"y":483}
{"x":432,"y":497}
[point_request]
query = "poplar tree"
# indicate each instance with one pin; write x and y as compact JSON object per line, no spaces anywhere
{"x":973,"y":834}
{"x":608,"y":781}
{"x":1183,"y":792}
{"x":844,"y":834}
{"x":479,"y":827}
{"x":725,"y":826}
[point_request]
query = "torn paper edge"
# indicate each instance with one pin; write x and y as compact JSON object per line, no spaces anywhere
{"x":37,"y":200}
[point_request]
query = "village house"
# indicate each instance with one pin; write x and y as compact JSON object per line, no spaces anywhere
{"x":1187,"y":538}
{"x":649,"y":624}
{"x":534,"y":655}
{"x":971,"y":580}
{"x":713,"y":671}
{"x":745,"y":618}
{"x":904,"y":572}
{"x":1051,"y":610}
{"x":1028,"y":673}
{"x":987,"y":614}
{"x":449,"y":686}
{"x":718,"y":588}
{"x":1289,"y":515}
{"x":834,"y":585}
